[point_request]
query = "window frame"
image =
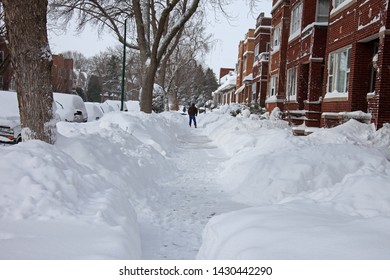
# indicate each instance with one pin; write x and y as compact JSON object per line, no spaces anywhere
{"x":277,"y":31}
{"x":257,"y":50}
{"x":273,"y":85}
{"x":254,"y":87}
{"x":337,"y":3}
{"x":292,"y":83}
{"x":337,"y":73}
{"x":296,"y":19}
{"x":319,"y":15}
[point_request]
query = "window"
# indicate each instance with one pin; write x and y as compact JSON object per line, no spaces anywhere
{"x":292,"y":77}
{"x":296,"y":18}
{"x":254,"y":92}
{"x":267,"y":47}
{"x":322,"y":10}
{"x":374,"y":68}
{"x":273,"y":86}
{"x":257,"y":48}
{"x":276,"y":37}
{"x":338,"y":71}
{"x":337,"y":3}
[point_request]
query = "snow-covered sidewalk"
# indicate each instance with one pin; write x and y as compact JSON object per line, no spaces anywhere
{"x":146,"y":186}
{"x":192,"y":197}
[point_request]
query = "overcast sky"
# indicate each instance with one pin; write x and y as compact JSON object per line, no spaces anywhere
{"x":227,"y":35}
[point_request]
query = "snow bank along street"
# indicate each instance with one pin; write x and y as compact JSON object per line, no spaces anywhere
{"x":139,"y":186}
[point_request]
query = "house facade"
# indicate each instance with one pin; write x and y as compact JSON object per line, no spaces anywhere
{"x":278,"y":55}
{"x":330,"y":58}
{"x":225,"y":93}
{"x":246,"y":50}
{"x":306,"y":48}
{"x":261,"y":56}
{"x":357,"y":62}
{"x":62,"y":73}
{"x":298,"y":47}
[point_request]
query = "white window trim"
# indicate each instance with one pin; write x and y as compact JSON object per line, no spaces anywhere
{"x":292,"y":83}
{"x":257,"y":49}
{"x":340,"y":6}
{"x":254,"y":86}
{"x":296,"y":21}
{"x":278,"y":28}
{"x":333,"y":76}
{"x":273,"y":85}
{"x":318,"y":15}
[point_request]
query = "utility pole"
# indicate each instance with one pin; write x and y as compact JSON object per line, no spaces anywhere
{"x":123,"y":66}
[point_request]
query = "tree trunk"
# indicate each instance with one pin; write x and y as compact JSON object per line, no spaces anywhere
{"x":148,"y":78}
{"x":32,"y":62}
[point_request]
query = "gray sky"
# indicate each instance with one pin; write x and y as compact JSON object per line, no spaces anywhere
{"x":226,"y":34}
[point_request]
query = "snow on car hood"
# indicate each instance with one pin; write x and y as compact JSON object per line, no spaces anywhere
{"x":10,"y":121}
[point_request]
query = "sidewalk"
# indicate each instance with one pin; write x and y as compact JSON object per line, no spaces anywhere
{"x":195,"y":196}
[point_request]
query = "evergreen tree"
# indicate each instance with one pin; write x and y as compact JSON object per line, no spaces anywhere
{"x":94,"y":89}
{"x":112,"y":81}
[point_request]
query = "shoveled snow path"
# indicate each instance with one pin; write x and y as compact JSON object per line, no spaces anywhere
{"x":194,"y":197}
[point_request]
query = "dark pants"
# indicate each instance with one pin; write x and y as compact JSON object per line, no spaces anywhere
{"x":192,"y":118}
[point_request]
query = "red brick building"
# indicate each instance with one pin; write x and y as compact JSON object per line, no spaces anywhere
{"x":5,"y":69}
{"x":357,"y":61}
{"x":278,"y":56}
{"x":225,"y":93}
{"x":306,"y":50}
{"x":62,"y":71}
{"x":246,"y":50}
{"x":260,"y":66}
{"x":299,"y":32}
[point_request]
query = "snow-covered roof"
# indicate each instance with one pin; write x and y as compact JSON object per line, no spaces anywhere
{"x":248,"y":78}
{"x":227,"y":82}
{"x":240,"y":89}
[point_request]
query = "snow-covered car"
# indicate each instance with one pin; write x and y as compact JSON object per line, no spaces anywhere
{"x":94,"y":111}
{"x":116,"y":105}
{"x":106,"y":108}
{"x":10,"y":129}
{"x":68,"y":107}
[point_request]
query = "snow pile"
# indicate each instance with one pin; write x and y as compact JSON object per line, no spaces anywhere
{"x":325,"y":196}
{"x":78,"y":199}
{"x":133,"y":185}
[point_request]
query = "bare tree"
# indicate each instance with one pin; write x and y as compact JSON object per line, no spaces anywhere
{"x":155,"y":28}
{"x":193,"y":45}
{"x":32,"y":62}
{"x":2,"y":24}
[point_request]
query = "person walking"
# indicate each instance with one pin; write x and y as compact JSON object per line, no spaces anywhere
{"x":192,"y":112}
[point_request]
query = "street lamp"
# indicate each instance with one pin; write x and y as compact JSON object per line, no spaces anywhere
{"x":123,"y":66}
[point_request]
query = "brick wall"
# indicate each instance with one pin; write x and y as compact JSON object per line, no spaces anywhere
{"x":357,"y":25}
{"x":383,"y":82}
{"x":62,"y":72}
{"x":6,"y":71}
